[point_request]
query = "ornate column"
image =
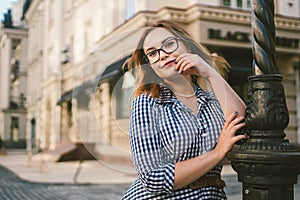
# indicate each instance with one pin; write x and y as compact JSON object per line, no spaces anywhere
{"x":266,"y":163}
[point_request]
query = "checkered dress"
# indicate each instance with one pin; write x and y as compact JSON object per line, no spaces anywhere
{"x":163,"y":131}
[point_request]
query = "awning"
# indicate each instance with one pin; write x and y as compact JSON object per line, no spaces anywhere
{"x":67,"y":96}
{"x":112,"y":70}
{"x":83,"y":91}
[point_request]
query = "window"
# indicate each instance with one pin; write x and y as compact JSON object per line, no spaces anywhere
{"x":130,"y":8}
{"x":14,"y":129}
{"x":239,"y":3}
{"x":32,"y":134}
{"x":69,"y":114}
{"x":125,"y":90}
{"x":227,"y":3}
{"x":249,"y":4}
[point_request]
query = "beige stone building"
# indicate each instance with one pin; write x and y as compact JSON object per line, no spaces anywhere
{"x":13,"y":86}
{"x":13,"y":82}
{"x":76,"y":89}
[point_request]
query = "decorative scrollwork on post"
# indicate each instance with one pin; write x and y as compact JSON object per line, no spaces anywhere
{"x":267,"y":108}
{"x":266,"y":113}
{"x":266,"y":163}
{"x":263,"y":33}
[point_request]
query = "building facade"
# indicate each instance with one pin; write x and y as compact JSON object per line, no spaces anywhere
{"x":76,"y":90}
{"x":13,"y":86}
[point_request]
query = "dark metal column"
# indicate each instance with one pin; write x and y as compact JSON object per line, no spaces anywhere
{"x":266,"y":163}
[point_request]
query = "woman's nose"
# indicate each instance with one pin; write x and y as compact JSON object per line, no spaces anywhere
{"x":163,"y":55}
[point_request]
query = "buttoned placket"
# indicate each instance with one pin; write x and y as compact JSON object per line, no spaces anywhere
{"x":202,"y":100}
{"x":200,"y":125}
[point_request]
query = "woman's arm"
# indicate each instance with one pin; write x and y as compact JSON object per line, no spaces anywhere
{"x":229,"y":100}
{"x":233,"y":108}
{"x":158,"y":176}
{"x":190,"y":170}
{"x":155,"y":174}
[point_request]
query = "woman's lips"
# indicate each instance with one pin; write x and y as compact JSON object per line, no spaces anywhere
{"x":168,"y":64}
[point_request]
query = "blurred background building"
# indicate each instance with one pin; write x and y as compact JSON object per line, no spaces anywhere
{"x":61,"y":65}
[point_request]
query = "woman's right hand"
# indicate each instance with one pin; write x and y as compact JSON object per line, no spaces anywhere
{"x":193,"y":64}
{"x":227,"y":137}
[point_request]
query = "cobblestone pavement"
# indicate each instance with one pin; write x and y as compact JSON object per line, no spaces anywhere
{"x":14,"y":188}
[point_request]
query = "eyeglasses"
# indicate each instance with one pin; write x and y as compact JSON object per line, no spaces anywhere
{"x":169,"y":46}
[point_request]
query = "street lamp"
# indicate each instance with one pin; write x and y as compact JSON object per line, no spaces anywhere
{"x":266,"y":163}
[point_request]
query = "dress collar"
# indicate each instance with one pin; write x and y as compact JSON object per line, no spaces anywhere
{"x":167,"y":96}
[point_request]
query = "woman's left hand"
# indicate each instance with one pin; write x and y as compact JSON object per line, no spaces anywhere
{"x":193,"y":64}
{"x":227,"y":137}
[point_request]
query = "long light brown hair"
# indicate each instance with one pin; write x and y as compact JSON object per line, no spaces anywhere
{"x":148,"y":81}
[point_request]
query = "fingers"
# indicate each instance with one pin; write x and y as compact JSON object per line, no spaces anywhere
{"x":185,"y":62}
{"x":239,"y":137}
{"x":228,"y":136}
{"x":191,"y":71}
{"x":231,"y":117}
{"x":234,"y":123}
{"x":238,"y":126}
{"x":237,"y":122}
{"x":183,"y":65}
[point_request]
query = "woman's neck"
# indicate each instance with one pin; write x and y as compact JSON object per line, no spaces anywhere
{"x":181,"y":87}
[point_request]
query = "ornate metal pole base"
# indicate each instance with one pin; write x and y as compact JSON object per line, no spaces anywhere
{"x":266,"y":175}
{"x":267,"y":164}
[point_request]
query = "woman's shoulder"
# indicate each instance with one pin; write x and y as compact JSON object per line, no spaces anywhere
{"x":144,"y":99}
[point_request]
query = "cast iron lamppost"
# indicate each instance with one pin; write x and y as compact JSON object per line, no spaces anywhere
{"x":266,"y":163}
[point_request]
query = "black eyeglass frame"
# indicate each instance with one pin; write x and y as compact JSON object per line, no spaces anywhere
{"x":161,"y":49}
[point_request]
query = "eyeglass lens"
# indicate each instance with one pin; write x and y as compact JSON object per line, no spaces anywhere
{"x":168,"y":47}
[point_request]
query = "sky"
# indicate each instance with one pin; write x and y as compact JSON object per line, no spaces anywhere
{"x":4,"y":5}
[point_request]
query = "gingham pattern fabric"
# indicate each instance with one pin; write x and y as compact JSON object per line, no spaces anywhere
{"x":164,"y":131}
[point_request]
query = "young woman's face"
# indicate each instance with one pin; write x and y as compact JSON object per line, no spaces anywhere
{"x":162,"y":48}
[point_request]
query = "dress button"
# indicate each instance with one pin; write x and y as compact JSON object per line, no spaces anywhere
{"x":204,"y":134}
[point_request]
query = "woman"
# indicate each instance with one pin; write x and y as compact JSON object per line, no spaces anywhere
{"x":184,"y":117}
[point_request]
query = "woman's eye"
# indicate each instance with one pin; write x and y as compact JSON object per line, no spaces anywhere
{"x":169,"y":44}
{"x":152,"y":53}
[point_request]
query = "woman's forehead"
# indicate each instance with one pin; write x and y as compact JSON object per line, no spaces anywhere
{"x":156,"y":37}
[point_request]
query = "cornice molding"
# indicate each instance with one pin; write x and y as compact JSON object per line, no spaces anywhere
{"x":215,"y":14}
{"x":219,"y":14}
{"x":14,"y":32}
{"x":284,"y":23}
